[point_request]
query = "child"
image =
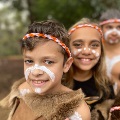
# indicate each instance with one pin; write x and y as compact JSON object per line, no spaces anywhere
{"x":42,"y":96}
{"x":88,"y":68}
{"x":110,"y":24}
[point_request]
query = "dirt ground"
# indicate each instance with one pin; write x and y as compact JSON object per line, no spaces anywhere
{"x":11,"y":69}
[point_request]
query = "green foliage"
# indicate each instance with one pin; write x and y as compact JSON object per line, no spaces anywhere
{"x":12,"y":28}
{"x":69,"y":11}
{"x":65,"y":11}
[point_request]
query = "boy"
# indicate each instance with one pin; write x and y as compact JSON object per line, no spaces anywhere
{"x":110,"y":24}
{"x":42,"y":96}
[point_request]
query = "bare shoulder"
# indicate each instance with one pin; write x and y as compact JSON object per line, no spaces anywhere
{"x":24,"y":85}
{"x":84,"y":111}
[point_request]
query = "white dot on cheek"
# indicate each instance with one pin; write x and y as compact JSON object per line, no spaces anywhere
{"x":97,"y":54}
{"x":76,"y":52}
{"x":93,"y":51}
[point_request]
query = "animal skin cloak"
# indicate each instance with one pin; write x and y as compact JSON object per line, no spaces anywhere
{"x":58,"y":106}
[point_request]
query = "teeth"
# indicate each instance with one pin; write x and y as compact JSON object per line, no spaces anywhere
{"x":86,"y":59}
{"x":38,"y":82}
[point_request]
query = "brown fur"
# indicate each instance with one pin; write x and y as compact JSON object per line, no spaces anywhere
{"x":51,"y":107}
{"x":101,"y":111}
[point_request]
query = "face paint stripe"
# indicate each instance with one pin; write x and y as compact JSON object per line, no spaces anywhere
{"x":43,"y":68}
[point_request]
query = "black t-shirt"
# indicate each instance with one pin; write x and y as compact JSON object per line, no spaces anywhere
{"x":88,"y":87}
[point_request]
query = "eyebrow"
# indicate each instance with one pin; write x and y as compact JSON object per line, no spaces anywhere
{"x":45,"y":57}
{"x":80,"y":40}
{"x":26,"y":56}
{"x":95,"y":41}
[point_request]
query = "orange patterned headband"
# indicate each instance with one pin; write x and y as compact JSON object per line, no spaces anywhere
{"x":50,"y":38}
{"x":110,"y":21}
{"x":115,"y":108}
{"x":86,"y":25}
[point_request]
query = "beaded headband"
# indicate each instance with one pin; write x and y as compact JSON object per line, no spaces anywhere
{"x":115,"y":108}
{"x":110,"y":21}
{"x":50,"y":38}
{"x":86,"y":25}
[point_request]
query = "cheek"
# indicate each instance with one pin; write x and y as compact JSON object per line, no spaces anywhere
{"x":96,"y":53}
{"x":75,"y":52}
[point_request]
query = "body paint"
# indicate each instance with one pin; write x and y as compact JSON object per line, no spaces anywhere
{"x":77,"y":52}
{"x":24,"y":91}
{"x":111,"y":31}
{"x":75,"y":116}
{"x":95,"y":53}
{"x":43,"y":68}
{"x":38,"y":90}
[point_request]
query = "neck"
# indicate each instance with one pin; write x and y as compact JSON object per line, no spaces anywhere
{"x":81,"y":75}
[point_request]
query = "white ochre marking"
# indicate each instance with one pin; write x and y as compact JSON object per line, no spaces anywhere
{"x":43,"y":68}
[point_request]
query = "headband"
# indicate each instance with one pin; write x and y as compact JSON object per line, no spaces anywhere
{"x":110,"y":21}
{"x":50,"y":38}
{"x":86,"y":25}
{"x":115,"y":108}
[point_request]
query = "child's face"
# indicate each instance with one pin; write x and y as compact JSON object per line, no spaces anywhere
{"x":85,"y":44}
{"x":43,"y":67}
{"x":111,"y":33}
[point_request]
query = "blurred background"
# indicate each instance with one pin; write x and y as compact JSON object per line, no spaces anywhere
{"x":15,"y":17}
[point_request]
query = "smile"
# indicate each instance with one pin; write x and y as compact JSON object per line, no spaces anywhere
{"x":39,"y":83}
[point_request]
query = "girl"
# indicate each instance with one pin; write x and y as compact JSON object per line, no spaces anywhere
{"x":88,"y":70}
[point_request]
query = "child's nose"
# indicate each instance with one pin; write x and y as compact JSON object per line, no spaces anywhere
{"x":37,"y":72}
{"x":86,"y":51}
{"x":115,"y":31}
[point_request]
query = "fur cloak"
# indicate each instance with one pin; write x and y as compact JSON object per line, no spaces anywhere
{"x":58,"y":106}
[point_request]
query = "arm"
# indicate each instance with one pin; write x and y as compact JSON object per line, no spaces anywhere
{"x":84,"y":111}
{"x":115,"y":74}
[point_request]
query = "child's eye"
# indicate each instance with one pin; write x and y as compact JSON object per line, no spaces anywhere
{"x":77,"y":45}
{"x":95,"y":45}
{"x":109,"y":27}
{"x":48,"y":62}
{"x":28,"y":61}
{"x":118,"y":27}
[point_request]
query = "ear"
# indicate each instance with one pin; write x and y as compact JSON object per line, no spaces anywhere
{"x":67,"y":64}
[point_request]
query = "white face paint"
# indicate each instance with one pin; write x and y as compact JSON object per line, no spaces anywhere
{"x":24,"y":91}
{"x":38,"y":90}
{"x":84,"y":48}
{"x":95,"y":53}
{"x":109,"y":32}
{"x":77,"y":52}
{"x":43,"y":68}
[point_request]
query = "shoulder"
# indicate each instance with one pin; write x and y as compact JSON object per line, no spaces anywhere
{"x":84,"y":111}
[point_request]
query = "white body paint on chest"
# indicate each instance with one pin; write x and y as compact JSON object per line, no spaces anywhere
{"x":43,"y":68}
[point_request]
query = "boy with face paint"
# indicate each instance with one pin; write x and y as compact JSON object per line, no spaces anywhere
{"x":88,"y":70}
{"x":110,"y":24}
{"x":41,"y":96}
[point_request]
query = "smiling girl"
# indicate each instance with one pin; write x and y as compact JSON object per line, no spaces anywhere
{"x":88,"y":70}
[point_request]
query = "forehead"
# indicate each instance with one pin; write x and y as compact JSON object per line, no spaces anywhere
{"x":112,"y":24}
{"x":44,"y":49}
{"x":86,"y":33}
